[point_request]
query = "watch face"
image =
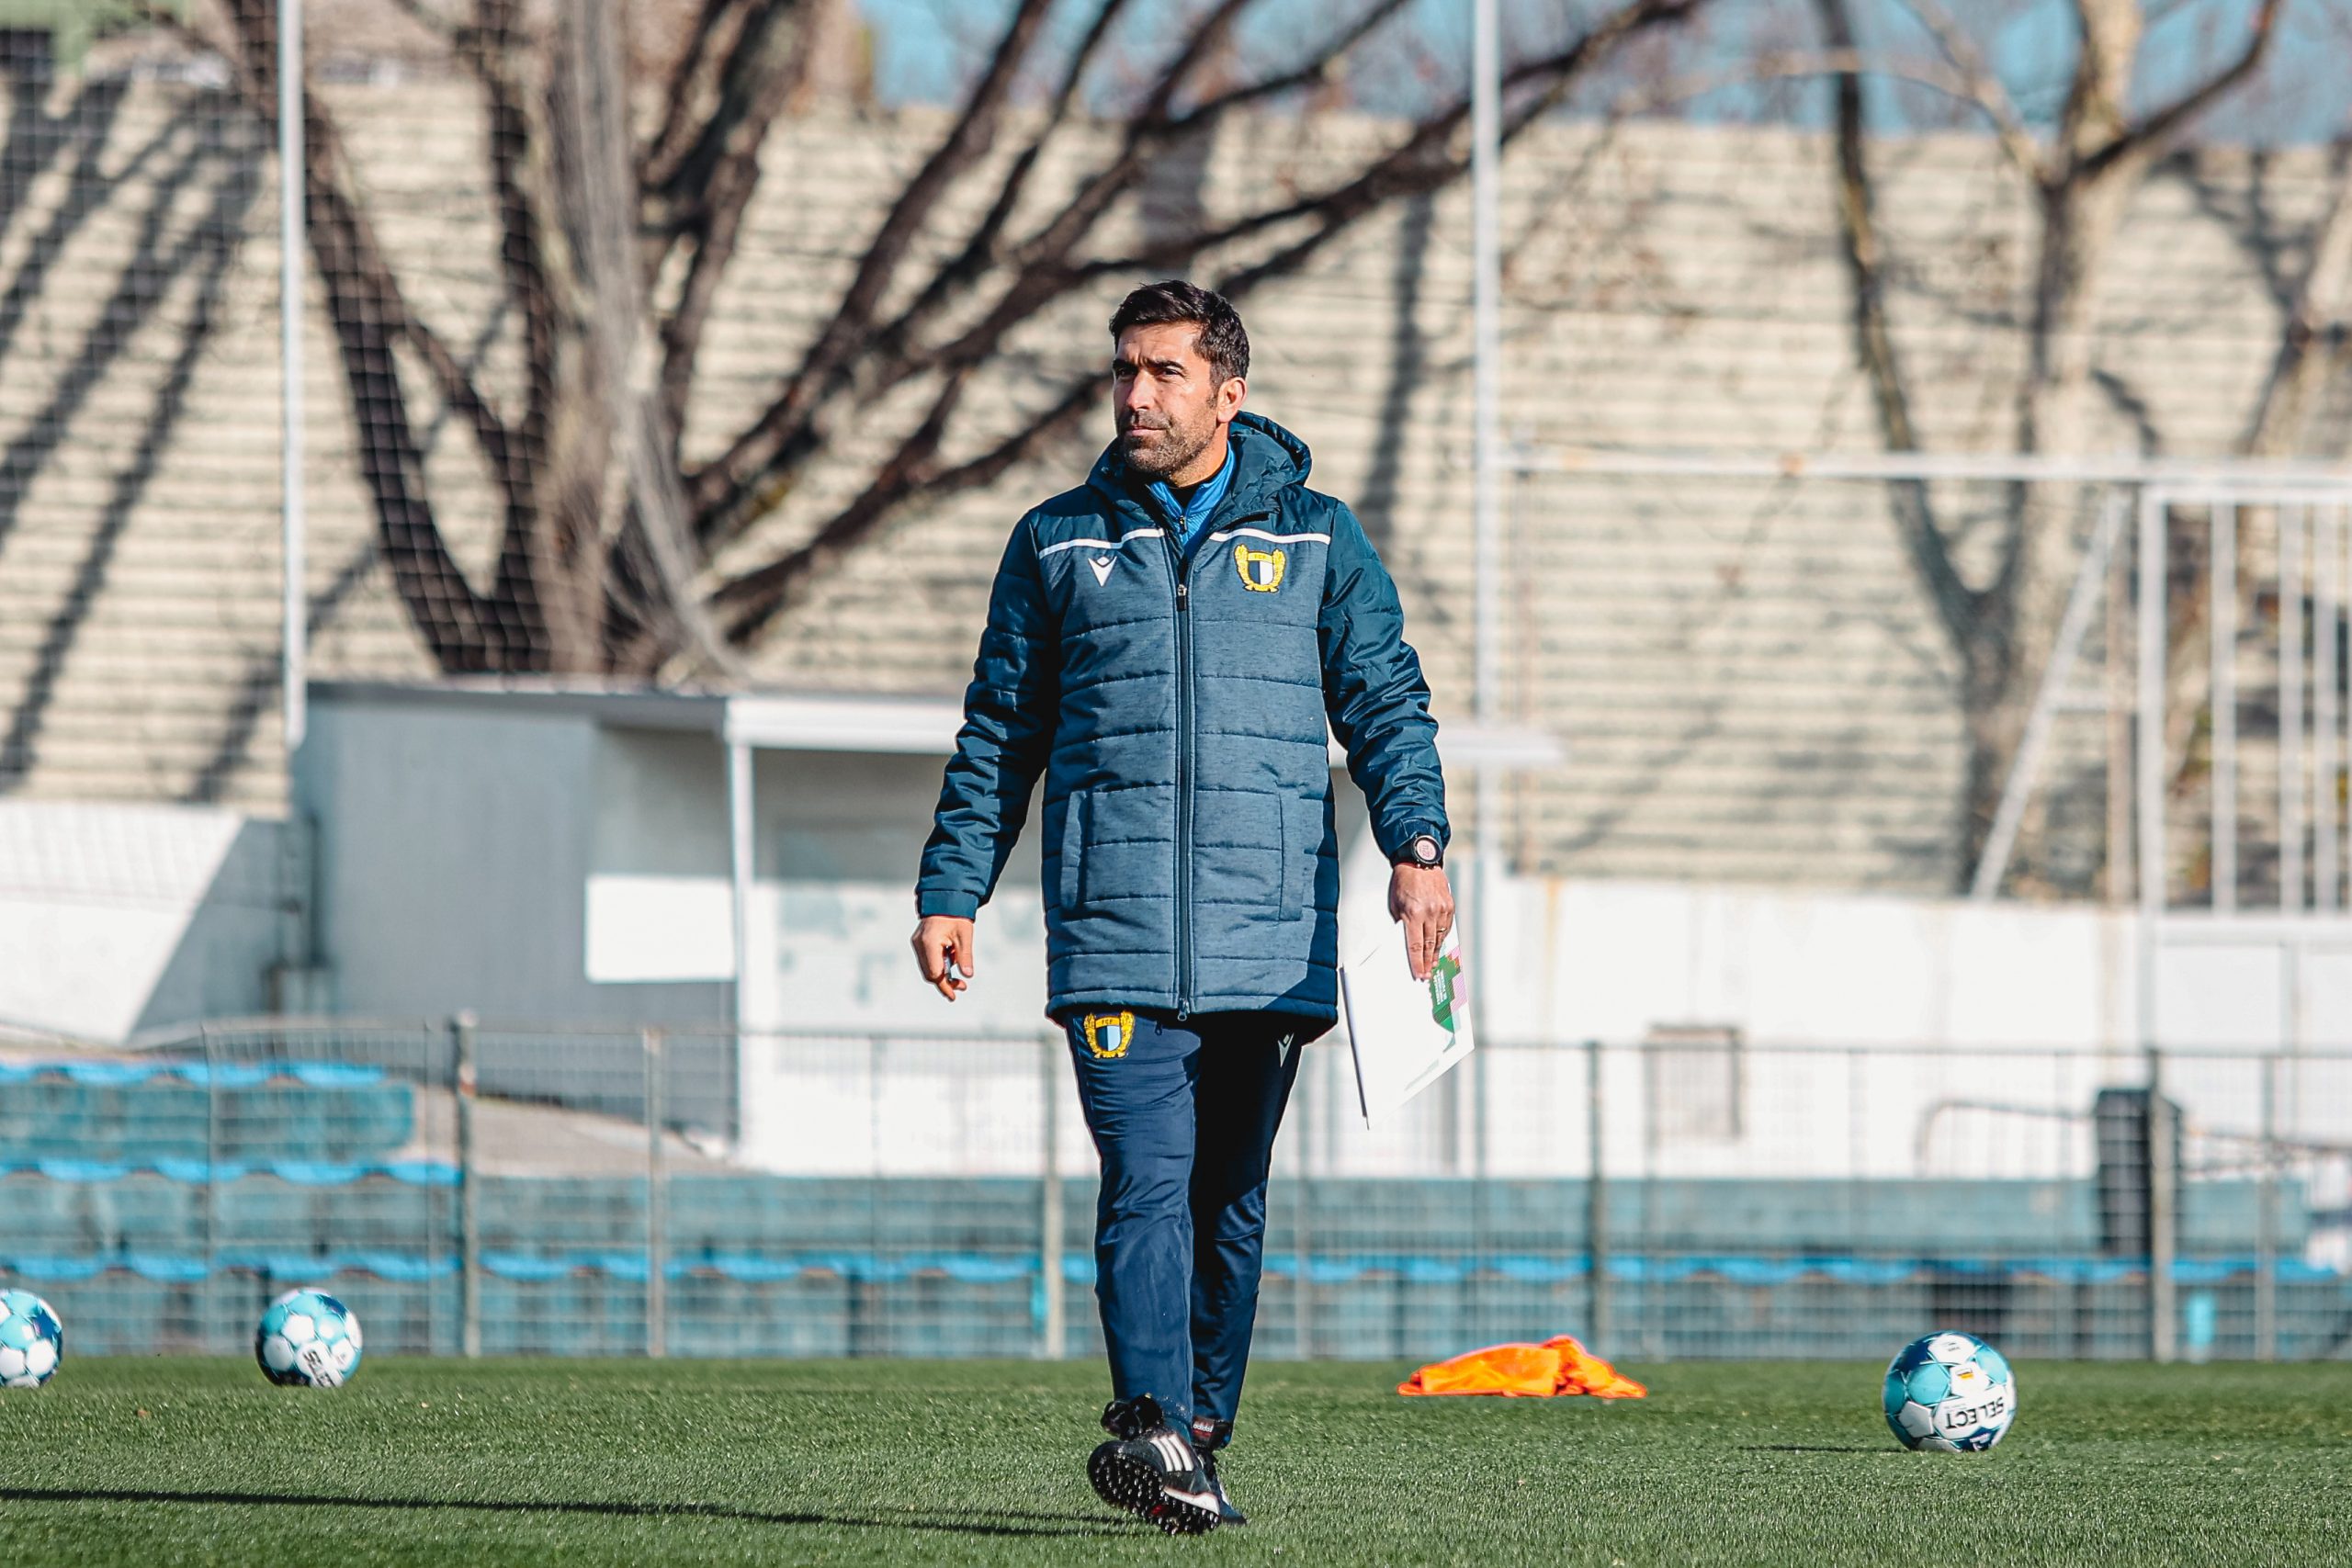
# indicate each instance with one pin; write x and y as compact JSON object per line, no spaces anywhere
{"x":1425,"y":851}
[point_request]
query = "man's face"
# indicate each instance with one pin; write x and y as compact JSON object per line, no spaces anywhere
{"x":1165,"y":401}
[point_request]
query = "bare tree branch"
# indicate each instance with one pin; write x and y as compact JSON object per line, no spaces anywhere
{"x":450,"y":378}
{"x":2314,"y":321}
{"x":383,"y":298}
{"x":1981,"y":86}
{"x":1778,"y":66}
{"x":1037,"y":281}
{"x":509,"y":141}
{"x":2150,"y":135}
{"x":521,"y":180}
{"x":1149,"y":130}
{"x":751,"y":600}
{"x":447,"y":29}
{"x":1418,"y":164}
{"x":721,"y":171}
{"x":1865,"y":257}
{"x":745,"y":98}
{"x":979,"y":251}
{"x":1422,"y":163}
{"x":1086,"y":206}
{"x":719,"y":486}
{"x":751,"y":603}
{"x":693,"y":77}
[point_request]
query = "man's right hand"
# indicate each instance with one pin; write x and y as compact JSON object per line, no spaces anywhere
{"x":942,"y":948}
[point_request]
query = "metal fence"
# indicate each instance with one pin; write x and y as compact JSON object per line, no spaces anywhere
{"x":498,"y":1192}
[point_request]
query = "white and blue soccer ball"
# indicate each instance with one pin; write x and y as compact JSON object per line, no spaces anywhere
{"x":308,"y":1339}
{"x":1951,"y":1392}
{"x":32,"y":1341}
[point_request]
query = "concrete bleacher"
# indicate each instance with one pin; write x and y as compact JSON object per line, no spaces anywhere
{"x":183,"y":1114}
{"x":1753,"y":685}
{"x":83,"y":1207}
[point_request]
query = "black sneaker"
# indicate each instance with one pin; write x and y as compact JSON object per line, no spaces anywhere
{"x":1216,"y":1485}
{"x":1150,"y":1468}
{"x":1208,"y":1437}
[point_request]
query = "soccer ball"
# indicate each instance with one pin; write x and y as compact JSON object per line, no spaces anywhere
{"x":31,"y":1340}
{"x":1950,"y":1391}
{"x":308,"y":1339}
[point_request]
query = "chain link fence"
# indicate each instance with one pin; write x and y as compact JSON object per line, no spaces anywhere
{"x":527,"y":1191}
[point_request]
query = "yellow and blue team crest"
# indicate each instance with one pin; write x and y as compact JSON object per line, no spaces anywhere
{"x":1261,"y":570}
{"x":1108,"y":1035}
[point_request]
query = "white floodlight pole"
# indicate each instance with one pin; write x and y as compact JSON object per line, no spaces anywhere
{"x":2149,"y":756}
{"x":740,"y":865}
{"x":1485,"y":318}
{"x":293,"y":647}
{"x":1486,"y":157}
{"x":2326,"y":555}
{"x":2220,"y":614}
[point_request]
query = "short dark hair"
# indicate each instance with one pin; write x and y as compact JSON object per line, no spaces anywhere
{"x":1224,"y":342}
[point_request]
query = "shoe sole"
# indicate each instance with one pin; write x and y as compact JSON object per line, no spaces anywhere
{"x":1135,"y":1486}
{"x":1177,"y":1516}
{"x":1121,"y":1481}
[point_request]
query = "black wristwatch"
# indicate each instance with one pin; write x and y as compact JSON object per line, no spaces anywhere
{"x":1423,"y":850}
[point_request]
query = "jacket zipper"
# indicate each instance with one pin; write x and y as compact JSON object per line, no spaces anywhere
{"x":1184,"y":792}
{"x":1181,"y":561}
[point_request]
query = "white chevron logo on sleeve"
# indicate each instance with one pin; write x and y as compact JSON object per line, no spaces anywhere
{"x":1102,"y":565}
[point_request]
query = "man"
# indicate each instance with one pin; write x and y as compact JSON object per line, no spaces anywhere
{"x":1165,"y":644}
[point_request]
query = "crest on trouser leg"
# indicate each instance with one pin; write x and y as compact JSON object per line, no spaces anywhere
{"x":1108,"y":1035}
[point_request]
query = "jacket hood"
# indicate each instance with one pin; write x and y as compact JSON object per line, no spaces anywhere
{"x":1267,"y":460}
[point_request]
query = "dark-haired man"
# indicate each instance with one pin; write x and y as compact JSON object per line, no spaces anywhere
{"x":1166,"y":645}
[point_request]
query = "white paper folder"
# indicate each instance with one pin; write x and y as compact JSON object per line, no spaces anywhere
{"x":1405,"y":1033}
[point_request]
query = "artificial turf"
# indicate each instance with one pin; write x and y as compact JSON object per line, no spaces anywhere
{"x":199,"y":1460}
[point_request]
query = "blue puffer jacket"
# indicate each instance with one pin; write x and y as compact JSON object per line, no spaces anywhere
{"x":1177,"y":710}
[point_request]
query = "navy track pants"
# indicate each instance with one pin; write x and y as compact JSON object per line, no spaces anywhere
{"x":1183,"y":1116}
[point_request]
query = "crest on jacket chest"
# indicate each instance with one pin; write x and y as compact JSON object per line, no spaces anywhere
{"x":1261,"y":570}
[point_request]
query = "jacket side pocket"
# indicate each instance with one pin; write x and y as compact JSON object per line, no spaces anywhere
{"x":1073,"y":852}
{"x":1302,"y":844}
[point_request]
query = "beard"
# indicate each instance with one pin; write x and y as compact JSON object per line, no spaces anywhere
{"x":1177,"y":447}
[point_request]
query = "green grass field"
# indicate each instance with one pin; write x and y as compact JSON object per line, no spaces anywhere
{"x":188,"y":1461}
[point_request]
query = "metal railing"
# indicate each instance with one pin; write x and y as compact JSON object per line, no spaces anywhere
{"x":495,"y":1191}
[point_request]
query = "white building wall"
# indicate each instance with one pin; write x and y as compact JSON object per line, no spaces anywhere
{"x":455,"y":846}
{"x":118,"y":919}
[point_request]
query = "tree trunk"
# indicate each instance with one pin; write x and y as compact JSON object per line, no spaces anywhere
{"x":2080,"y":215}
{"x":631,"y":615}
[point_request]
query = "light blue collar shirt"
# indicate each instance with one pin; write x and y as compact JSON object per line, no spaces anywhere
{"x":1192,"y":516}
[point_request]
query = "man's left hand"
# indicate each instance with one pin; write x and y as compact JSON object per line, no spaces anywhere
{"x":1421,"y":900}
